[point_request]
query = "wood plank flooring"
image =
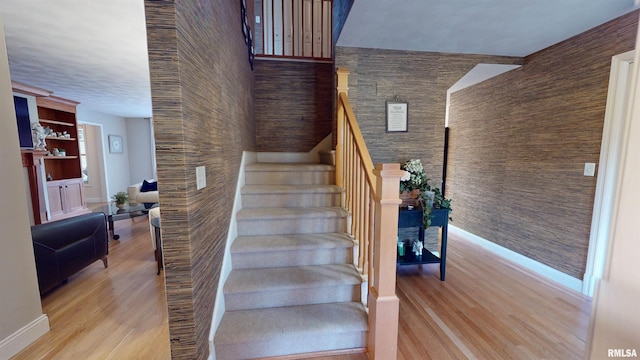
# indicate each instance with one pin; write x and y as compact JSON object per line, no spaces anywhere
{"x":114,"y":313}
{"x":488,"y":308}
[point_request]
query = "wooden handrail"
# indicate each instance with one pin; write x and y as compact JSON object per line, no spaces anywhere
{"x":372,"y":198}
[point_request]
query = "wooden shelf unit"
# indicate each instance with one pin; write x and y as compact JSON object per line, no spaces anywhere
{"x":60,"y":115}
{"x":61,"y":138}
{"x":54,"y":122}
{"x":60,"y":157}
{"x":63,"y":196}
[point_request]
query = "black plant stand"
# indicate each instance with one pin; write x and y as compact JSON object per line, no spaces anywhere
{"x":413,"y":218}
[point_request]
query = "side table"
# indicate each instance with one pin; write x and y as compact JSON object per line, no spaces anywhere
{"x":155,"y":222}
{"x":413,"y":218}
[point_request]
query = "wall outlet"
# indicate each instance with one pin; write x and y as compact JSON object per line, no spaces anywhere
{"x":589,"y":169}
{"x":201,"y":177}
{"x":257,"y":19}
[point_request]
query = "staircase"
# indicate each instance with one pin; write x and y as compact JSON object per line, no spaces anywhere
{"x":293,"y":288}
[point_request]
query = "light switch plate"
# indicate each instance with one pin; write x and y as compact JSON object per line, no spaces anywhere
{"x":257,"y":19}
{"x":589,"y":169}
{"x":201,"y":177}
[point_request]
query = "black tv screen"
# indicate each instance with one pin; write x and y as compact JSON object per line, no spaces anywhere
{"x":24,"y":124}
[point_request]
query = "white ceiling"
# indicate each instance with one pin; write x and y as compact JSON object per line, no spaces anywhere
{"x":495,"y":27}
{"x":94,"y":51}
{"x":91,"y":51}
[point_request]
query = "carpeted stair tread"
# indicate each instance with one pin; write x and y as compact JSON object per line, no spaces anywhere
{"x":292,"y":288}
{"x":289,"y":174}
{"x":290,"y":189}
{"x":272,"y":243}
{"x":283,"y":213}
{"x":285,"y":278}
{"x":247,"y":326}
{"x":293,"y":167}
{"x":293,"y":195}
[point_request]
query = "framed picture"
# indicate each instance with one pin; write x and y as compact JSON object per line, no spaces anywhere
{"x":115,"y":144}
{"x":397,"y":116}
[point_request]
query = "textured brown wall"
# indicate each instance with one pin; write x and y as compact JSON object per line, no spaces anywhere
{"x":293,"y":104}
{"x":294,"y":99}
{"x":519,"y":143}
{"x":202,"y":92}
{"x":421,"y":79}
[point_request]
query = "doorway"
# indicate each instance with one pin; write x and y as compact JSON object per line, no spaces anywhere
{"x":619,"y":93}
{"x":92,"y":162}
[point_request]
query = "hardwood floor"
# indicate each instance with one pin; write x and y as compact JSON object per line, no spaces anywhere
{"x":114,"y":313}
{"x":488,"y":308}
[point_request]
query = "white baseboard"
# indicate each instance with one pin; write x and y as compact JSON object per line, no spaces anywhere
{"x":589,"y":284}
{"x":219,"y":307}
{"x":533,"y":265}
{"x":22,"y":338}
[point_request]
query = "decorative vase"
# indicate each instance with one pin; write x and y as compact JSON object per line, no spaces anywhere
{"x":120,"y":206}
{"x":409,"y":198}
{"x":430,"y":195}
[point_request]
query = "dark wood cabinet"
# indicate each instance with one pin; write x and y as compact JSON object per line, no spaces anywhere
{"x":413,"y":218}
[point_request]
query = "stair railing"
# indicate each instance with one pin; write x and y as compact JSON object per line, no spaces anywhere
{"x":372,"y":198}
{"x":295,"y":29}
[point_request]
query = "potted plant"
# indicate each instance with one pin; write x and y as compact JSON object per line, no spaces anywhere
{"x":120,"y":198}
{"x":414,"y":182}
{"x":428,"y":197}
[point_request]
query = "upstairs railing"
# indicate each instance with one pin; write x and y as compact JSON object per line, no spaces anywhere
{"x":372,"y":197}
{"x":300,"y":29}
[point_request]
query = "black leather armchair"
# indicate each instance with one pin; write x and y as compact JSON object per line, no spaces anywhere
{"x":64,"y":247}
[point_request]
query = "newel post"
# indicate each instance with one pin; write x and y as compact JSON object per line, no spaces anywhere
{"x":384,"y":305}
{"x":343,"y":87}
{"x":343,"y":80}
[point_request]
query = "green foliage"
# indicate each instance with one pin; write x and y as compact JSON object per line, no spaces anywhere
{"x":437,"y":202}
{"x":430,"y":197}
{"x":120,"y":197}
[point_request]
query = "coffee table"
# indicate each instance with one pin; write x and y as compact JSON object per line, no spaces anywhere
{"x":113,"y":213}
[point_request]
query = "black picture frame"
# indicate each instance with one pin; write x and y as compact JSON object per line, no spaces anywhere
{"x":397,"y":116}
